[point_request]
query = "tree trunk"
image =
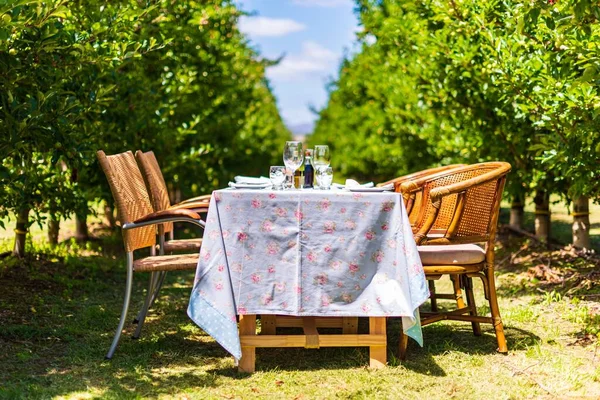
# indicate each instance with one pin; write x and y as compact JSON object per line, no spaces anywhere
{"x":81,"y":229}
{"x":109,"y":214}
{"x":517,"y":211}
{"x":21,"y":233}
{"x":581,"y":223}
{"x":53,"y":229}
{"x":542,"y":215}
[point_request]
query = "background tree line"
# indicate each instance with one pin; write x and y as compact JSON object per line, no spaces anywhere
{"x":77,"y":76}
{"x":440,"y":81}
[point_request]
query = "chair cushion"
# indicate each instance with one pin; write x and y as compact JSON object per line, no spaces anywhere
{"x":166,"y":263}
{"x":454,"y":254}
{"x":183,"y":245}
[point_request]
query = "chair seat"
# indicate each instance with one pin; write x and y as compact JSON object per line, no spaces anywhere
{"x":176,"y":262}
{"x":455,"y":254}
{"x":183,"y":245}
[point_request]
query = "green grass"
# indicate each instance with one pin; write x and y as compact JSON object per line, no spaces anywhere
{"x":59,"y":309}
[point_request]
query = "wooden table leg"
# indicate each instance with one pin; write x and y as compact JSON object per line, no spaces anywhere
{"x":378,"y":354}
{"x":349,"y":325}
{"x":247,"y":328}
{"x":268,"y":324}
{"x":402,"y":346}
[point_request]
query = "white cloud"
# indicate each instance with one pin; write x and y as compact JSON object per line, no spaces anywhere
{"x":314,"y":58}
{"x":264,"y":26}
{"x":324,"y":3}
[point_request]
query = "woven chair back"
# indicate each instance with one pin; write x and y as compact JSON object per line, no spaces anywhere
{"x":155,"y":182}
{"x":481,"y":203}
{"x":129,"y":191}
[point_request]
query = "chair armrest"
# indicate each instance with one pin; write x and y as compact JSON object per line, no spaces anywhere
{"x":161,"y":217}
{"x":197,"y":207}
{"x":204,"y":198}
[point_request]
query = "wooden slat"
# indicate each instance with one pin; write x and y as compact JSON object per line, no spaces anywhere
{"x":268,"y":324}
{"x":285,"y":321}
{"x":324,"y":340}
{"x":377,"y":353}
{"x":247,"y":327}
{"x":349,"y":325}
{"x":311,"y":333}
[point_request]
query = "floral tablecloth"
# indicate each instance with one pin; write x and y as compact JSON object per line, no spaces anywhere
{"x":305,"y":253}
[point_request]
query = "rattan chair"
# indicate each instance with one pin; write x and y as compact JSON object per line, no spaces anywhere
{"x":415,"y":200}
{"x":159,"y":196}
{"x":138,"y":221}
{"x":459,"y":211}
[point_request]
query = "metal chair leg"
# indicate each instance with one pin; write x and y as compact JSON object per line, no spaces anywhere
{"x":128,"y":286}
{"x":147,"y":303}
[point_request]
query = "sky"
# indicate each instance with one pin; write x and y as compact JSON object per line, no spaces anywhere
{"x":312,"y":36}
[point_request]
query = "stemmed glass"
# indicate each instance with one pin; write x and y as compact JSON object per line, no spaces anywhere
{"x":293,"y":157}
{"x":321,"y":157}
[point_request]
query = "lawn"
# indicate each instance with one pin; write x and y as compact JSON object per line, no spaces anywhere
{"x":59,"y":309}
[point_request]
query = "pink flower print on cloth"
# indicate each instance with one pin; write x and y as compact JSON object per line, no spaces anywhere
{"x":384,"y":227}
{"x":370,"y":234}
{"x":272,"y":196}
{"x":311,"y":256}
{"x":256,"y":203}
{"x":335,"y":264}
{"x":280,"y":212}
{"x":353,"y":268}
{"x":219,"y":285}
{"x":347,"y":297}
{"x":298,"y":214}
{"x":218,"y":196}
{"x":266,"y":226}
{"x":350,"y":224}
{"x":280,"y":287}
{"x":242,"y":236}
{"x":388,"y":206}
{"x":266,"y":299}
{"x":271,"y":269}
{"x":377,"y":256}
{"x":325,"y":300}
{"x":327,"y":248}
{"x":241,"y":310}
{"x":291,"y":244}
{"x":320,"y":279}
{"x":272,"y":248}
{"x":324,"y":205}
{"x":329,"y":227}
{"x":391,"y":243}
{"x":256,"y":278}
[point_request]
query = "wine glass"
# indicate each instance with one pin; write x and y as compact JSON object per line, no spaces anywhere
{"x":293,"y":157}
{"x":321,"y":156}
{"x":277,"y":176}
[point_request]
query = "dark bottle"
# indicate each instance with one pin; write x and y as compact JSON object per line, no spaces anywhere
{"x":309,"y":171}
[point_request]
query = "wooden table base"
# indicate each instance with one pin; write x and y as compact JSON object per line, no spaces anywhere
{"x":376,"y":339}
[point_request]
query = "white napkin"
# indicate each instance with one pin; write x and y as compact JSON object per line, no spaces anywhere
{"x":249,"y":180}
{"x":237,"y":185}
{"x":352,"y":183}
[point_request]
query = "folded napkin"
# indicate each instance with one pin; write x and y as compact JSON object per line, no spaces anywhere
{"x":238,"y":185}
{"x":249,"y":180}
{"x":389,"y":186}
{"x":352,"y":183}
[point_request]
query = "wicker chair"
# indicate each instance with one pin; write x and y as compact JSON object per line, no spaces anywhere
{"x":416,"y":198}
{"x":460,"y":210}
{"x":138,"y":221}
{"x":159,"y":196}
